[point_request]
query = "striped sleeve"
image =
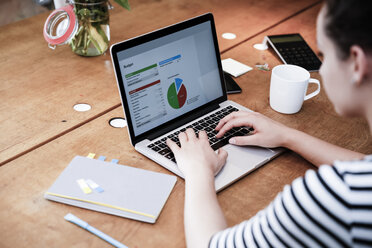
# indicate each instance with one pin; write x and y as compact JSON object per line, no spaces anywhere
{"x":358,"y":177}
{"x":328,"y":208}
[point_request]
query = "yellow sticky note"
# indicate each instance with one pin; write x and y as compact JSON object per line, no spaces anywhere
{"x":84,"y":186}
{"x":91,"y":155}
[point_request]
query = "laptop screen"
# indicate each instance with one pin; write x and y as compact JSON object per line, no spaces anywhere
{"x":169,"y":76}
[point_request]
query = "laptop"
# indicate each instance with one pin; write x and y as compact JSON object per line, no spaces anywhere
{"x":172,"y":79}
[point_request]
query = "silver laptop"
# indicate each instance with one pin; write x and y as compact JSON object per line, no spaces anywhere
{"x":171,"y":79}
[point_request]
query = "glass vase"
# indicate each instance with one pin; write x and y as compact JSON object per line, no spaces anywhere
{"x":93,"y":31}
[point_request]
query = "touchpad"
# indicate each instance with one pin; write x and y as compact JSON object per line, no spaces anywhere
{"x":247,"y":157}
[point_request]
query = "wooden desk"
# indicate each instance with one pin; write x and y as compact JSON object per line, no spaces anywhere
{"x":39,"y":86}
{"x":30,"y":220}
{"x":27,"y":219}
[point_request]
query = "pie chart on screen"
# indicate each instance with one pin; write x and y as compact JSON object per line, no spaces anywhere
{"x":177,"y":94}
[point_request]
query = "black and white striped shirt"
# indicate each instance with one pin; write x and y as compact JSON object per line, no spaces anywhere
{"x":330,"y":208}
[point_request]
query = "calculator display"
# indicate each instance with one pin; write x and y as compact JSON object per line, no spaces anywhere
{"x":286,"y":39}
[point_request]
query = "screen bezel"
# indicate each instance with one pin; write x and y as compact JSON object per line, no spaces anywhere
{"x":180,"y":120}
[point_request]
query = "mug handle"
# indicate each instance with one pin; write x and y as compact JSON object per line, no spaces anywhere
{"x":314,"y":81}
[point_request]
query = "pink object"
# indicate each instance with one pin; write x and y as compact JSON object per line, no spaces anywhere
{"x":69,"y":9}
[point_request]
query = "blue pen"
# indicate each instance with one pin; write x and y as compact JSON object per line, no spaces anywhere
{"x":73,"y":219}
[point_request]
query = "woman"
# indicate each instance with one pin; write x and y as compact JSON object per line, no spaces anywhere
{"x":331,"y":207}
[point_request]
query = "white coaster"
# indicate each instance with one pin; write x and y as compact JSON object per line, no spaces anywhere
{"x":234,"y":67}
{"x":82,"y":107}
{"x":229,"y":36}
{"x":118,"y":122}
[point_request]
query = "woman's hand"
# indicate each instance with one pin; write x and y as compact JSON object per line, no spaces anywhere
{"x":195,"y":157}
{"x":267,"y":133}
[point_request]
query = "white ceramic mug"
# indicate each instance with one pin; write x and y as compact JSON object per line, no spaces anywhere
{"x":288,"y":88}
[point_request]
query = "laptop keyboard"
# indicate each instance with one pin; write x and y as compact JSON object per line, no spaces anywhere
{"x":208,"y":124}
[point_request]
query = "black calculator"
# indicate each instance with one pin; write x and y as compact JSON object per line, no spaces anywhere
{"x":293,"y":49}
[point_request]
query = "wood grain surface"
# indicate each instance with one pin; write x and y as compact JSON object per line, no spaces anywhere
{"x":39,"y":86}
{"x":27,"y":219}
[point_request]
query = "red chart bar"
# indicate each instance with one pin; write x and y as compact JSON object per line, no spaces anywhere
{"x":144,"y":87}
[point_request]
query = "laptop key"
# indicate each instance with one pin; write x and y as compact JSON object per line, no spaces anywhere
{"x":236,"y":129}
{"x":210,"y":122}
{"x":220,"y":144}
{"x":230,"y":132}
{"x":208,"y":129}
{"x":156,"y":148}
{"x":245,"y":131}
{"x":239,"y":133}
{"x":169,"y":156}
{"x":151,"y":145}
{"x":164,"y":151}
{"x":198,"y":127}
{"x":162,"y":145}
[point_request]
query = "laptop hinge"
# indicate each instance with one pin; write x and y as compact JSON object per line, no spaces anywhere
{"x":183,"y":121}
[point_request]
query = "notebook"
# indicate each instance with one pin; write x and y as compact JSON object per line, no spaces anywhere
{"x":125,"y":191}
{"x":172,"y":79}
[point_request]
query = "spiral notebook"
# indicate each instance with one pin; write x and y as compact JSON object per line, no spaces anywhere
{"x":112,"y":188}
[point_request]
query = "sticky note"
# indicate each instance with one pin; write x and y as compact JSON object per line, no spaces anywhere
{"x":115,"y":161}
{"x":84,"y":186}
{"x":91,"y":155}
{"x":94,"y":186}
{"x":102,"y":158}
{"x":234,"y":67}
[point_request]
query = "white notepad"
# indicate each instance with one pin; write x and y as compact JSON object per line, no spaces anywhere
{"x":128,"y":192}
{"x":234,"y":67}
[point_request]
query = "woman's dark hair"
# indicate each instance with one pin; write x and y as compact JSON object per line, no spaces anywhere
{"x":347,"y":23}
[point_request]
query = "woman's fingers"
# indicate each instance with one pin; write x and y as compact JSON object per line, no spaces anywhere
{"x":173,"y":146}
{"x":236,"y":122}
{"x":190,"y":134}
{"x":183,"y":138}
{"x":244,"y":140}
{"x":222,"y":156}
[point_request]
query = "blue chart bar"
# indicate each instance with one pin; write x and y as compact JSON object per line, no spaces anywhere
{"x":170,"y":59}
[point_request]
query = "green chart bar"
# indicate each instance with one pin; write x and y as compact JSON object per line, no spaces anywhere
{"x":140,"y":70}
